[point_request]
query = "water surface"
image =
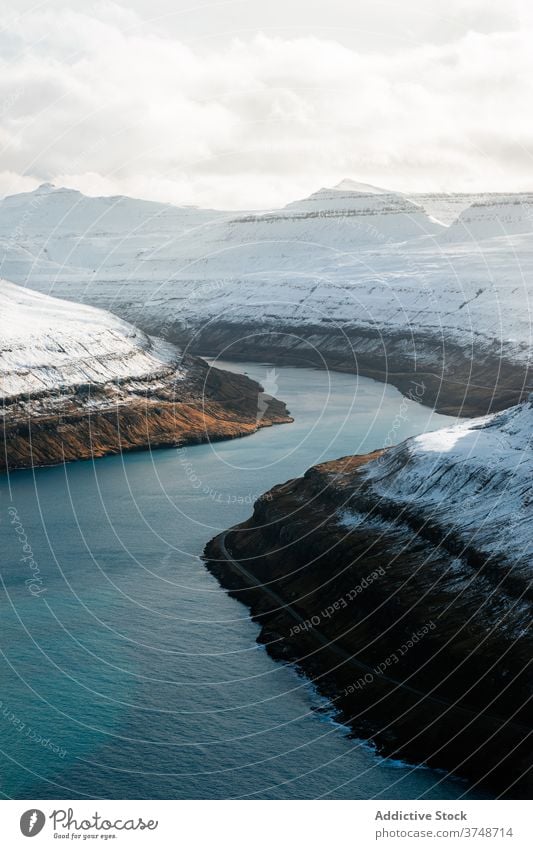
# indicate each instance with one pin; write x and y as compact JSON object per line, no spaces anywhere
{"x":131,"y":673}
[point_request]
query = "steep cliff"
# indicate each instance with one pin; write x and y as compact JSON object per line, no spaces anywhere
{"x":401,"y":583}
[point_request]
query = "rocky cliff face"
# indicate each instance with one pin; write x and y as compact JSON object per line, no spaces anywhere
{"x":400,"y":582}
{"x":76,"y":382}
{"x":409,"y":359}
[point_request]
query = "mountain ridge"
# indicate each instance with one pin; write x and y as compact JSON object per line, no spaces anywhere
{"x":373,"y":283}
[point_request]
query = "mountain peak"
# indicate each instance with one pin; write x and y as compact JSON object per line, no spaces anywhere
{"x":52,"y":189}
{"x":348,"y":185}
{"x":45,"y":188}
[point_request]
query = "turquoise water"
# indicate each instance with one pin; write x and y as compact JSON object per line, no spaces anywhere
{"x":126,"y":671}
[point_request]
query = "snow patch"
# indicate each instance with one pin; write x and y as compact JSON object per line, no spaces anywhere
{"x":474,"y":479}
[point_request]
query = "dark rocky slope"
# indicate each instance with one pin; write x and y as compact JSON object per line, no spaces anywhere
{"x":400,"y":582}
{"x":455,"y":380}
{"x":212,"y":404}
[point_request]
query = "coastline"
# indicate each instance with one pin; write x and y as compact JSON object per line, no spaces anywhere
{"x":210,"y":405}
{"x":415,"y":682}
{"x":456,"y":381}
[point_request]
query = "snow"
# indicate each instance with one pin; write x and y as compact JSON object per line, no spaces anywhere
{"x":45,"y":188}
{"x":62,"y":229}
{"x":348,"y":185}
{"x":474,"y":479}
{"x":355,"y":520}
{"x":349,"y":198}
{"x":351,"y":256}
{"x":50,"y":344}
{"x":500,"y":216}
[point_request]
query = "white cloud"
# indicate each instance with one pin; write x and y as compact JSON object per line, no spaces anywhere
{"x":102,"y":103}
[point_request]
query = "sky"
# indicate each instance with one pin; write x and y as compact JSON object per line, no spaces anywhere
{"x":249,"y":104}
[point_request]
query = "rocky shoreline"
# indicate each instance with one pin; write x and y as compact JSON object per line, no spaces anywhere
{"x":77,"y":383}
{"x":416,"y":638}
{"x":454,"y":381}
{"x":90,"y":421}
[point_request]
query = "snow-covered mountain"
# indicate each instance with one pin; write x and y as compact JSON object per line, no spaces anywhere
{"x":363,"y":276}
{"x":472,"y":480}
{"x":448,"y":207}
{"x":50,"y":344}
{"x":59,"y":228}
{"x":78,"y":382}
{"x":60,"y":239}
{"x":493,"y":218}
{"x":380,"y":213}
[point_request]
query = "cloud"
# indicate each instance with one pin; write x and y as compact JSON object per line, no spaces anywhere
{"x":103,"y":103}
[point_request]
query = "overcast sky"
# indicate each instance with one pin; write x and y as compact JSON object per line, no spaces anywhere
{"x":253,"y":103}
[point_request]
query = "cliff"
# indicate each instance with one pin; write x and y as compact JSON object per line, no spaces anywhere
{"x":400,"y":582}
